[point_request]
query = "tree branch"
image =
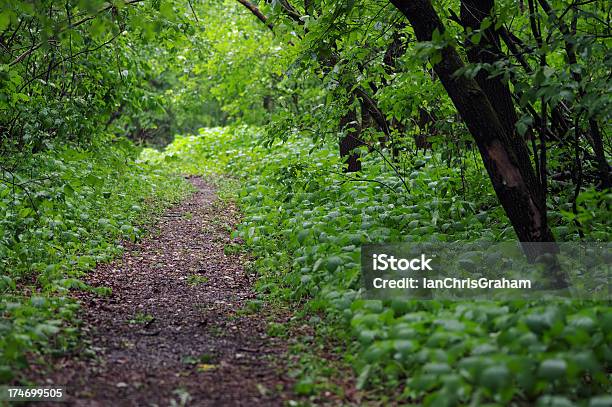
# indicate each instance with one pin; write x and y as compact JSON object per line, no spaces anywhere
{"x":257,"y":13}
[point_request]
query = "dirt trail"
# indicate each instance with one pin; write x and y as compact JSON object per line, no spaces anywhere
{"x":169,"y":333}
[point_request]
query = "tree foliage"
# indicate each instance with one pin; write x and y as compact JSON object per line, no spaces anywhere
{"x":462,"y":118}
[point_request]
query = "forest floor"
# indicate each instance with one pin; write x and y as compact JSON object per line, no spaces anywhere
{"x":171,"y":332}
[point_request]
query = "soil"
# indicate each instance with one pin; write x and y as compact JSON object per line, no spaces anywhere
{"x":172,"y":331}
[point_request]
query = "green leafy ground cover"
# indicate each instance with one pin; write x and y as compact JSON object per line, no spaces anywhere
{"x":305,"y":221}
{"x":71,"y":209}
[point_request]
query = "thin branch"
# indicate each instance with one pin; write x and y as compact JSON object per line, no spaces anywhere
{"x":257,"y":13}
{"x":70,"y":26}
{"x":193,"y":11}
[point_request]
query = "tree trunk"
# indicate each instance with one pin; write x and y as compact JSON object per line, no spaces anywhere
{"x":488,"y":51}
{"x":350,"y":141}
{"x":516,"y":192}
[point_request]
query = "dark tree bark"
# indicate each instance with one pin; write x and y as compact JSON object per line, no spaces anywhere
{"x":516,"y":192}
{"x":396,"y":49}
{"x":371,"y":107}
{"x":350,"y":141}
{"x":488,"y":51}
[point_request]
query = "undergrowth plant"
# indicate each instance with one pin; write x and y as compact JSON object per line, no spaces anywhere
{"x":72,"y":209}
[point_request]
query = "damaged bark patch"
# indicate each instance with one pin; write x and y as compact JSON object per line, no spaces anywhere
{"x":510,"y":175}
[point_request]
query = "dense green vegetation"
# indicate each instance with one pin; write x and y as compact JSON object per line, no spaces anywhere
{"x":345,"y":122}
{"x":71,"y":210}
{"x":305,"y":221}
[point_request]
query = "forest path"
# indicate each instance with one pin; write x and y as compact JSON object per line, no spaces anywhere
{"x":170,"y":333}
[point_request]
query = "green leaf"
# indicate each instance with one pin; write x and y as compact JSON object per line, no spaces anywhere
{"x":552,"y":369}
{"x":363,"y":377}
{"x":496,"y":377}
{"x":333,"y":263}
